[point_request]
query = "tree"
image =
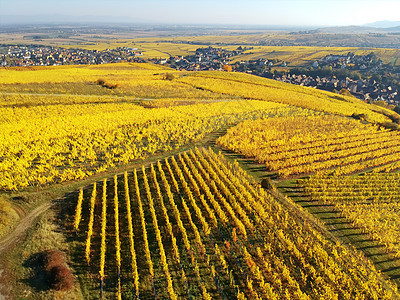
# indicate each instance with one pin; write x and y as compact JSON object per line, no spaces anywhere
{"x":345,"y":92}
{"x":227,"y":68}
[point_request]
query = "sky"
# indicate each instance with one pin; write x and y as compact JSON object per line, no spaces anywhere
{"x":241,"y":12}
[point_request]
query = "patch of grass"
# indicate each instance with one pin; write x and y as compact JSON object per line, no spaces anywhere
{"x":8,"y":216}
{"x":29,"y":279}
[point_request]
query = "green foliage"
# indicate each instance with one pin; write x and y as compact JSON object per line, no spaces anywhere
{"x":169,"y":76}
{"x":362,"y":117}
{"x":345,"y":92}
{"x":381,"y":103}
{"x":390,"y":125}
{"x":107,"y":85}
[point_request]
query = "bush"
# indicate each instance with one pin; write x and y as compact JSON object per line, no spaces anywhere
{"x":58,"y":275}
{"x":61,"y":278}
{"x":101,"y":82}
{"x":267,"y":183}
{"x":345,"y":92}
{"x":391,"y":126}
{"x":381,"y":103}
{"x":395,"y":118}
{"x":111,"y":86}
{"x":169,"y":76}
{"x":227,"y":68}
{"x":52,"y":258}
{"x":362,"y":117}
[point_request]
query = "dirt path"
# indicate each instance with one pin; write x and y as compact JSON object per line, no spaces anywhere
{"x":12,"y":238}
{"x":24,"y":224}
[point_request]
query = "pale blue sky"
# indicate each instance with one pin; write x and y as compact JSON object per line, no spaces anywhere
{"x":255,"y":12}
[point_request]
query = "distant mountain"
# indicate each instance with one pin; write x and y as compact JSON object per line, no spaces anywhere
{"x":348,"y":29}
{"x":358,"y":29}
{"x":393,"y":29}
{"x":383,"y":24}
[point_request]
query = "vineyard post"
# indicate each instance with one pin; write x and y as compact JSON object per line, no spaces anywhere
{"x":101,"y":287}
{"x":154,"y":288}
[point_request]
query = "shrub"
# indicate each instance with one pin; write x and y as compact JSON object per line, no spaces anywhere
{"x":267,"y":183}
{"x":363,"y":117}
{"x":395,"y":118}
{"x":61,"y":278}
{"x":227,"y":68}
{"x":52,"y":258}
{"x":381,"y":103}
{"x":345,"y":92}
{"x":169,"y":76}
{"x":101,"y":82}
{"x":391,"y":126}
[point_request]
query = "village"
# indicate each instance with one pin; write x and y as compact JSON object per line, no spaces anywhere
{"x":205,"y":59}
{"x":25,"y":56}
{"x":331,"y":73}
{"x":364,"y":76}
{"x":364,"y":89}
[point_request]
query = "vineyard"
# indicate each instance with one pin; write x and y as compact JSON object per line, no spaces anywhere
{"x":72,"y":127}
{"x":370,"y":201}
{"x":252,"y":87}
{"x":295,"y":146}
{"x":55,"y":143}
{"x":196,"y":226}
{"x":193,"y":225}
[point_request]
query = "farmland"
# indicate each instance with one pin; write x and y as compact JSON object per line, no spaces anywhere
{"x":304,"y":145}
{"x":370,"y":201}
{"x":204,"y":230}
{"x":144,"y":206}
{"x":295,"y":49}
{"x":40,"y":148}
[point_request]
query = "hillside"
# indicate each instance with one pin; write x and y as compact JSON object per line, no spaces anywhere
{"x":31,"y":117}
{"x":116,"y":156}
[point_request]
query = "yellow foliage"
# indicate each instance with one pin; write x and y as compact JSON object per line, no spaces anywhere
{"x":369,"y":201}
{"x":302,"y":145}
{"x":43,"y":144}
{"x":252,"y":87}
{"x":278,"y":254}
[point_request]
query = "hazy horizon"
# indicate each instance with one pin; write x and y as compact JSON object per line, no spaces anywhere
{"x":288,"y":13}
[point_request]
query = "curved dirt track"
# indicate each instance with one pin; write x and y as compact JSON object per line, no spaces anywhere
{"x":24,"y":224}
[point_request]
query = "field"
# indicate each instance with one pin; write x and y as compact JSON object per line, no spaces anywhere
{"x":295,"y":49}
{"x":96,"y":133}
{"x":38,"y":147}
{"x":342,"y":170}
{"x":305,"y":56}
{"x":204,"y":230}
{"x":295,"y":146}
{"x":124,"y":182}
{"x":370,"y":201}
